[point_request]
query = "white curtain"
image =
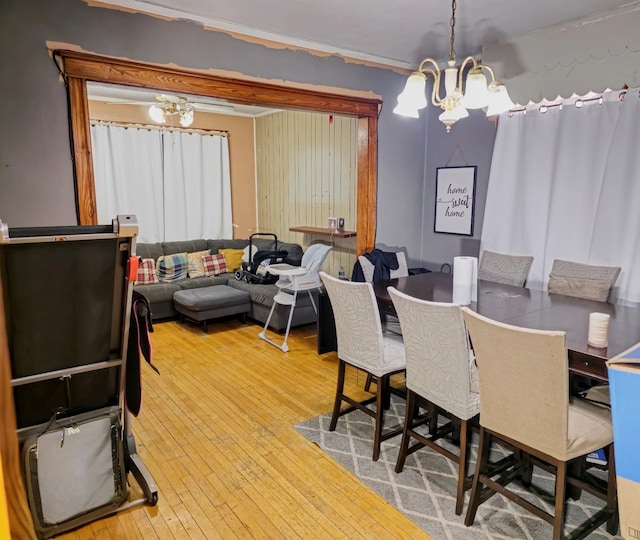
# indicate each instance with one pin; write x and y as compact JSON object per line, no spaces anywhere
{"x":127,"y":165}
{"x":565,"y":184}
{"x":178,"y":184}
{"x":197,"y":186}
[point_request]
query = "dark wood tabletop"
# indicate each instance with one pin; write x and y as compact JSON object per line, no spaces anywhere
{"x":532,"y":309}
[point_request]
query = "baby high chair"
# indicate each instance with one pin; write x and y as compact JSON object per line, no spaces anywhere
{"x":293,"y":279}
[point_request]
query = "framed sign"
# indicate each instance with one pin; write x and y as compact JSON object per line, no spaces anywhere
{"x":455,"y":197}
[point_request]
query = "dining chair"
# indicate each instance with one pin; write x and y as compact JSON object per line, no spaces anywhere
{"x":390,"y":322}
{"x":368,"y":267}
{"x":502,"y":268}
{"x":592,"y":283}
{"x":362,"y":344}
{"x":582,"y":280}
{"x":440,"y":370}
{"x":525,"y":403}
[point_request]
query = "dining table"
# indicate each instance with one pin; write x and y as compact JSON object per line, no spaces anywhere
{"x":531,"y":308}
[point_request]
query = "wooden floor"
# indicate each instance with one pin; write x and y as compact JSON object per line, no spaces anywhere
{"x":216,"y":432}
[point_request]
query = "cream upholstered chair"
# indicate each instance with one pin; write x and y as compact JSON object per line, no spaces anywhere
{"x":582,"y":280}
{"x":440,"y":369}
{"x":507,"y":269}
{"x":525,"y":403}
{"x":362,"y":344}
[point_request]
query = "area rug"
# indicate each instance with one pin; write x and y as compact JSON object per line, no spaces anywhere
{"x":425,"y":490}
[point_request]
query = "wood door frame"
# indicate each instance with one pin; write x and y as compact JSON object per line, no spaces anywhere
{"x":78,"y":68}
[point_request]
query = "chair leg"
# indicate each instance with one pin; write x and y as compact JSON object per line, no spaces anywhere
{"x":462,"y":465}
{"x":408,"y":423}
{"x":612,"y":494}
{"x":561,"y":483}
{"x":386,"y":393}
{"x":432,"y":411}
{"x":339,"y":392}
{"x":382,"y":382}
{"x":526,"y":466}
{"x":481,"y":468}
{"x":367,"y":384}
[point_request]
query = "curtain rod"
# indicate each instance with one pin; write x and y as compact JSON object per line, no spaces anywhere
{"x":150,"y":127}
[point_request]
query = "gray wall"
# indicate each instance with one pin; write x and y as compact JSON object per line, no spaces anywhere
{"x":36,"y":173}
{"x":469,"y":143}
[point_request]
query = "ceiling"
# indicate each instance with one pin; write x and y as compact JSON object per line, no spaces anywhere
{"x":129,"y":95}
{"x":397,"y":33}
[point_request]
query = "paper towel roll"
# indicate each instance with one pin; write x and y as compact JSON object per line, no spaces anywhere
{"x":465,"y":280}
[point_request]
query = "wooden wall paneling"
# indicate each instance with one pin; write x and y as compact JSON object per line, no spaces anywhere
{"x":308,"y":172}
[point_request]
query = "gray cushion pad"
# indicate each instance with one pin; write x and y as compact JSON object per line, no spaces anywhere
{"x":206,"y":298}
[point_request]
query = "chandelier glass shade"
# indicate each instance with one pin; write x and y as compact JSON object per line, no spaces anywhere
{"x":477,"y":94}
{"x":169,"y":106}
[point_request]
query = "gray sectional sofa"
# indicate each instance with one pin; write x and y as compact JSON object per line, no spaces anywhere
{"x":160,"y":295}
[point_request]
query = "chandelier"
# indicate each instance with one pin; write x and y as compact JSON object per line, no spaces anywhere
{"x":476,"y":95}
{"x":169,"y":106}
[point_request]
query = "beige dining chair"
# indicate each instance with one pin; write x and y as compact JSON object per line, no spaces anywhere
{"x":582,"y":280}
{"x":368,"y":267}
{"x":525,"y":403}
{"x":502,"y":268}
{"x":362,"y":344}
{"x":440,"y":370}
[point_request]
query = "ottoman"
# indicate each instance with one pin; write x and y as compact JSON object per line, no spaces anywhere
{"x":211,"y":302}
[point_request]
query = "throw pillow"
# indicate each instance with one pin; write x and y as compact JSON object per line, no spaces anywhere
{"x":214,"y":264}
{"x":233,"y":257}
{"x":146,"y":272}
{"x":196,"y":267}
{"x":172,"y":267}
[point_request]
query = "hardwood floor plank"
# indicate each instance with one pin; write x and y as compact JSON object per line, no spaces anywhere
{"x":216,"y":432}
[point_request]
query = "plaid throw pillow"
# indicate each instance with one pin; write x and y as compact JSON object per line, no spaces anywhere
{"x":172,"y":267}
{"x":214,"y":264}
{"x":146,"y":272}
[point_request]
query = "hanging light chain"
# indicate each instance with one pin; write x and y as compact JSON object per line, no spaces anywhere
{"x":452,"y":53}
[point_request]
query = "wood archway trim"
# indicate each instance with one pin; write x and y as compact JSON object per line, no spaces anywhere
{"x":79,"y":68}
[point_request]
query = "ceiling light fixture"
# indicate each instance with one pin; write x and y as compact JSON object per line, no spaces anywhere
{"x":456,"y":102}
{"x":171,"y":105}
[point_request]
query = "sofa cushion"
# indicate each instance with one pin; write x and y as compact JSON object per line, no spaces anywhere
{"x":263,"y":294}
{"x":149,"y":251}
{"x":146,"y":272}
{"x":196,"y":266}
{"x":158,"y":292}
{"x":172,"y":267}
{"x":216,"y":245}
{"x":184,"y":246}
{"x":204,"y":281}
{"x":214,"y":264}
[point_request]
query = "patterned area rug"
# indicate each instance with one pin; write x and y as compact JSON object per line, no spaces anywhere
{"x":425,"y":490}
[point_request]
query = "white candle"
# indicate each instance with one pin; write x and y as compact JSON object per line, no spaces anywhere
{"x":598,"y":330}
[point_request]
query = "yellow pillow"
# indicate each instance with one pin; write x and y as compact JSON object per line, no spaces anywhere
{"x":233,"y":257}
